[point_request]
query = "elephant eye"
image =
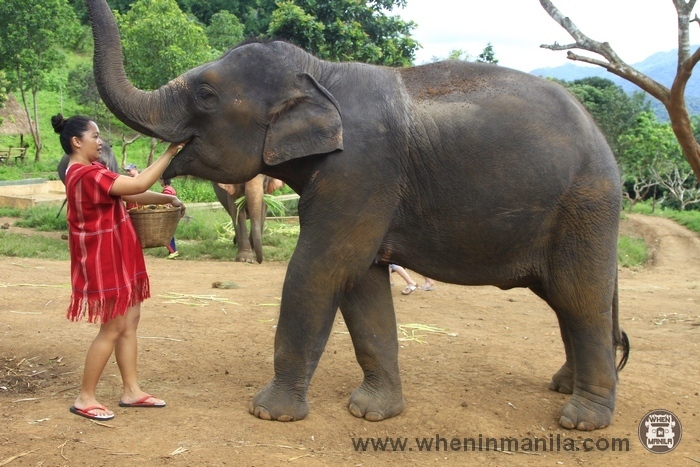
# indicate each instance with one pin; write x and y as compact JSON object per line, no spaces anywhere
{"x":206,"y":96}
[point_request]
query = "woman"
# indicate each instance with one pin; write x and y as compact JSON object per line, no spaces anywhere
{"x":108,"y":272}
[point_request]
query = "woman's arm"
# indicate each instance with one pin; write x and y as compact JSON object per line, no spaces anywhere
{"x":126,"y":186}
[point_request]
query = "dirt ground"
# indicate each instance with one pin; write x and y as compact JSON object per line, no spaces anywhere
{"x":485,"y":375}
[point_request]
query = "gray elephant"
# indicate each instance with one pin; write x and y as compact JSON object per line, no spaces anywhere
{"x":106,"y":158}
{"x":468,"y":173}
{"x":249,"y":247}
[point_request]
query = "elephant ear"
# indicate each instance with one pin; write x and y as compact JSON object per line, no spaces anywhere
{"x":306,"y":124}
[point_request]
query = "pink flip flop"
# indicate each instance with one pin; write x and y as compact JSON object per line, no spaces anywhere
{"x":142,"y":403}
{"x":86,"y":412}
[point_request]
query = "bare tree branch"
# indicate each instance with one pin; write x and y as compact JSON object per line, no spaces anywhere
{"x":673,"y":99}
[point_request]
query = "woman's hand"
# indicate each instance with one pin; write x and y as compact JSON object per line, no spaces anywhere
{"x":174,"y":148}
{"x":178,"y":204}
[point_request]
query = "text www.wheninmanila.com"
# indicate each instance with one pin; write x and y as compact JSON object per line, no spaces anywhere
{"x":439,"y":444}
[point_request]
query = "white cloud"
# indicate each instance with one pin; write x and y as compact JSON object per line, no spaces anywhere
{"x":516,"y":28}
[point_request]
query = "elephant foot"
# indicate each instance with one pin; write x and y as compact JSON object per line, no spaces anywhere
{"x":373,"y":405}
{"x":271,"y":403}
{"x":585,"y":415}
{"x":245,"y":256}
{"x":563,"y":380}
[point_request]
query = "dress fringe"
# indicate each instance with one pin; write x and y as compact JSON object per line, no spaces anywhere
{"x":101,"y":310}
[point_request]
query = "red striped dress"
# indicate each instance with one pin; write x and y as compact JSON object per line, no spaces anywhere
{"x":108,"y":271}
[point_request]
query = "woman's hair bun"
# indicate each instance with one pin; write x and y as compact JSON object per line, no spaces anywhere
{"x":58,"y":123}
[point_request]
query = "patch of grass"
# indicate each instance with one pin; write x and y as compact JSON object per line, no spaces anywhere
{"x":43,"y":218}
{"x":690,"y":219}
{"x":10,"y":212}
{"x":631,"y":251}
{"x":33,"y":246}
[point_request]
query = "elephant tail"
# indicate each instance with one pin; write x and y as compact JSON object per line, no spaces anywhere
{"x":621,"y":341}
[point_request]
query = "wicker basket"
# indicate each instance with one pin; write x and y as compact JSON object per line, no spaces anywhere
{"x":155,"y":225}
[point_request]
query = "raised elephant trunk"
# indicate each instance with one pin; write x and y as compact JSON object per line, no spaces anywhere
{"x":158,"y":113}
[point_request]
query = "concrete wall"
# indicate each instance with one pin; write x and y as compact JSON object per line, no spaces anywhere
{"x":24,"y":194}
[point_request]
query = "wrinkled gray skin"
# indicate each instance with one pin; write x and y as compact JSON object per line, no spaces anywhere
{"x":249,"y":247}
{"x":468,"y":173}
{"x":106,"y":157}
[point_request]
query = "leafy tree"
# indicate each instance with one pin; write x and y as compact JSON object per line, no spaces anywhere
{"x":81,"y":87}
{"x":653,"y":158}
{"x":487,"y":55}
{"x":204,"y":10}
{"x":160,"y":43}
{"x":346,"y":30}
{"x":31,"y":34}
{"x":225,"y":31}
{"x":647,"y":144}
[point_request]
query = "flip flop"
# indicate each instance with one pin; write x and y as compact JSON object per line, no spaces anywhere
{"x":142,"y":403}
{"x":86,"y":412}
{"x":427,"y":287}
{"x":408,"y":289}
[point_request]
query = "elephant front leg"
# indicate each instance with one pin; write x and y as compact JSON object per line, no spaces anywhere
{"x":245,"y":252}
{"x":305,"y":322}
{"x":368,"y":311}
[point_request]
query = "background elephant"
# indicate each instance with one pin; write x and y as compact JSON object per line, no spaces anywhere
{"x":106,"y":157}
{"x":468,"y":173}
{"x":255,"y":210}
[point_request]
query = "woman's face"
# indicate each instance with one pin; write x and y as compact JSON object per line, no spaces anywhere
{"x":91,"y":143}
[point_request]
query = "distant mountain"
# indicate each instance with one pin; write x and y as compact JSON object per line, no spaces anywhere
{"x":660,"y":66}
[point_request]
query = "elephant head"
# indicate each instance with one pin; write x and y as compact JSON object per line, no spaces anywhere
{"x":253,"y":107}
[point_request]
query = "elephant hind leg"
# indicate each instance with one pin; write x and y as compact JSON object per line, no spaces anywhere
{"x":583,"y":305}
{"x":563,"y":380}
{"x":368,"y":311}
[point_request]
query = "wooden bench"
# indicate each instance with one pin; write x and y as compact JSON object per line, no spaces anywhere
{"x":7,"y":153}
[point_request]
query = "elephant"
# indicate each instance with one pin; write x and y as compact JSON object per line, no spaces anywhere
{"x":255,"y":210}
{"x":468,"y":173}
{"x":106,"y":158}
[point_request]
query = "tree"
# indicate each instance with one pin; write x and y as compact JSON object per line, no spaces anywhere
{"x":225,"y":31}
{"x":346,"y":30}
{"x":31,"y":34}
{"x":160,"y":43}
{"x":81,"y":87}
{"x":487,"y":55}
{"x":673,"y":99}
{"x":648,"y":144}
{"x":3,"y":91}
{"x":205,"y":10}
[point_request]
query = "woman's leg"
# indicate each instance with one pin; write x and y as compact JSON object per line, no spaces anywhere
{"x":97,"y":357}
{"x":126,"y":353}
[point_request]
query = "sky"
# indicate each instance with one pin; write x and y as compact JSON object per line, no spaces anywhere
{"x":517,"y":28}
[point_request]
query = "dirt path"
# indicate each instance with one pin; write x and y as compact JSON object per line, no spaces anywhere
{"x":486,"y":375}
